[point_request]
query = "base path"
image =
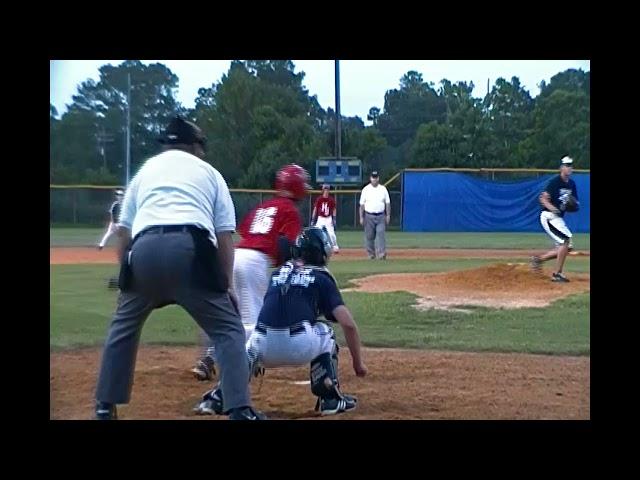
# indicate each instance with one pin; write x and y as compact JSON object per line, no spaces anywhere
{"x":71,"y":255}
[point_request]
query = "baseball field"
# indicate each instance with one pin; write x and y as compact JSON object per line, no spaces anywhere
{"x":455,"y":326}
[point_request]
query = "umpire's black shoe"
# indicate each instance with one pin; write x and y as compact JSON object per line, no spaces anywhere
{"x":246,"y":413}
{"x":559,"y":277}
{"x":106,"y":411}
{"x":333,"y":406}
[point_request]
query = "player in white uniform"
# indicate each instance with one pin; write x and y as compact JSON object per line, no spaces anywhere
{"x":114,"y":216}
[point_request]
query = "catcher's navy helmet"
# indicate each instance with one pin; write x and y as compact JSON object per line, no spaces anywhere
{"x":313,"y":246}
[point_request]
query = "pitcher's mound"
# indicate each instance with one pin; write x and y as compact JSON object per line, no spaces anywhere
{"x":503,"y":285}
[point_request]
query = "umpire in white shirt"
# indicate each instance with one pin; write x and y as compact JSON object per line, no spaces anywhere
{"x":179,"y":213}
{"x":375,"y":213}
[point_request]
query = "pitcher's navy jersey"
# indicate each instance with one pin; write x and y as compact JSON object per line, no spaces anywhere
{"x":299,"y":293}
{"x":559,"y":192}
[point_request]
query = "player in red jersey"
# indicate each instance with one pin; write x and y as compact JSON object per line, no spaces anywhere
{"x":324,"y":215}
{"x":266,"y":235}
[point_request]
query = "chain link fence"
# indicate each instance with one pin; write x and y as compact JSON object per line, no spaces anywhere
{"x":89,"y":206}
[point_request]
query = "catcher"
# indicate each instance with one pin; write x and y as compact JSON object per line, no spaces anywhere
{"x":559,"y":197}
{"x":289,"y":334}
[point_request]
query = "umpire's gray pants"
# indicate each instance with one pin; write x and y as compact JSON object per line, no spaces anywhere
{"x":374,"y":228}
{"x":162,"y":272}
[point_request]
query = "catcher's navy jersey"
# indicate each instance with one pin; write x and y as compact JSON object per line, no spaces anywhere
{"x":115,"y":212}
{"x":559,"y":192}
{"x":299,"y":293}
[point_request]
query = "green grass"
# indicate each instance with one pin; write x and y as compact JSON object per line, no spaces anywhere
{"x":60,"y":237}
{"x":81,"y":308}
{"x":389,"y":321}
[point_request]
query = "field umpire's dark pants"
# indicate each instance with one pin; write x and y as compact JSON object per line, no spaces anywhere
{"x":374,"y":227}
{"x":163,"y":273}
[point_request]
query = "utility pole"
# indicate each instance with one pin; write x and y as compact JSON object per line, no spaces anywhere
{"x":338,"y":127}
{"x":128,"y":153}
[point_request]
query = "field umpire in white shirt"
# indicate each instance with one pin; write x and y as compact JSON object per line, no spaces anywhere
{"x":375,"y":213}
{"x":179,"y":213}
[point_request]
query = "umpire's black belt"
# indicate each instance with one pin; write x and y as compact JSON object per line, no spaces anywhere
{"x":170,"y":229}
{"x":292,"y":329}
{"x":376,"y":214}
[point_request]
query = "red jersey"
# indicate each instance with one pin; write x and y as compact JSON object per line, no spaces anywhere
{"x":261,"y":227}
{"x":325,"y":206}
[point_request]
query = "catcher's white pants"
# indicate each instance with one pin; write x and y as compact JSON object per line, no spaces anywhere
{"x":274,"y":347}
{"x":250,"y":283}
{"x":555,"y":227}
{"x":111,"y":230}
{"x":328,"y":222}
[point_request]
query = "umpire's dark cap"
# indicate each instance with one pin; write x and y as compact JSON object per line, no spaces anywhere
{"x":375,"y":174}
{"x":181,"y":131}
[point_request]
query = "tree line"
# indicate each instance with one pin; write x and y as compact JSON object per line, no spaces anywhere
{"x":260,"y":116}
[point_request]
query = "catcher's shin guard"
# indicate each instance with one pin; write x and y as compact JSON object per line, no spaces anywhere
{"x":324,"y":376}
{"x":324,"y":384}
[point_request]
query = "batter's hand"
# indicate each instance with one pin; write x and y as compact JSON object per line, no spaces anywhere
{"x":360,"y":369}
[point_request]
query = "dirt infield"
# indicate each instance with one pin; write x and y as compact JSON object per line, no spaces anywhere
{"x":501,"y":285}
{"x":403,"y":384}
{"x":71,"y":255}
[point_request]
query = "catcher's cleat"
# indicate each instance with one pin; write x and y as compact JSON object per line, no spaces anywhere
{"x":559,"y":277}
{"x":106,"y":411}
{"x":536,"y":264}
{"x":333,"y":406}
{"x":204,"y":370}
{"x":100,"y":247}
{"x":211,"y":403}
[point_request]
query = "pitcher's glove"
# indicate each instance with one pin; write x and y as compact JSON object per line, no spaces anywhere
{"x":571,"y":205}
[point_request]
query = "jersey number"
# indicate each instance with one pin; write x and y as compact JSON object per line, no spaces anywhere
{"x":325,"y":209}
{"x":263,"y":220}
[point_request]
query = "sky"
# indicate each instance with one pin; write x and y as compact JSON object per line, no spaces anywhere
{"x":363,"y":83}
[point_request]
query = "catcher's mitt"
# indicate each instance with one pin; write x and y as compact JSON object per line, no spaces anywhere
{"x":571,"y":205}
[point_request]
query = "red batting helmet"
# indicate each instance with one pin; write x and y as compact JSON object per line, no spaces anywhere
{"x":292,"y":181}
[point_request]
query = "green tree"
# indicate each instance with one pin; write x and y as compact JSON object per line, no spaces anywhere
{"x":508,"y":110}
{"x":405,"y":109}
{"x":153,"y":103}
{"x":437,"y":145}
{"x":570,"y":80}
{"x":258,"y":117}
{"x":562,"y":127}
